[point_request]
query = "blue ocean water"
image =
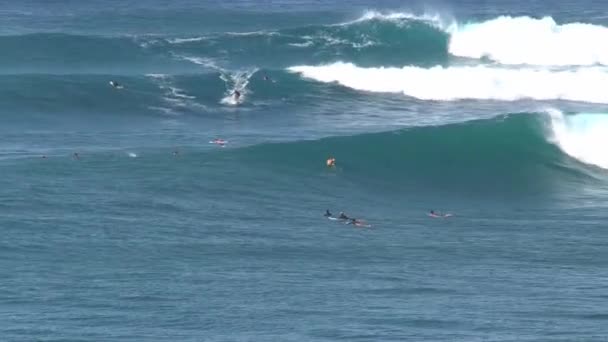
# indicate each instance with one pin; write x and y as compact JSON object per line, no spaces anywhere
{"x":121,"y":221}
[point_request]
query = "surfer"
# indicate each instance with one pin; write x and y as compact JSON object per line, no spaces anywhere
{"x":76,"y":156}
{"x":331,"y":162}
{"x":116,"y":85}
{"x":327,"y":213}
{"x":357,"y":223}
{"x":175,"y":153}
{"x":237,"y":95}
{"x":218,"y":141}
{"x":433,"y":213}
{"x":343,"y":216}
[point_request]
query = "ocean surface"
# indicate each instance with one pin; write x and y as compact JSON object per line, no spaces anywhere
{"x":120,"y":221}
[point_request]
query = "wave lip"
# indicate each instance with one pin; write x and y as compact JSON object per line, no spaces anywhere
{"x":468,"y":82}
{"x":434,"y":19}
{"x":583,"y":136}
{"x":525,"y":40}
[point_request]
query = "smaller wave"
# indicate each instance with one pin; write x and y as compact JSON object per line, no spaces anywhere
{"x":583,"y":136}
{"x":468,"y":82}
{"x":525,"y":40}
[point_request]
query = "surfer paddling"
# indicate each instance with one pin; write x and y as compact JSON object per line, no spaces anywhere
{"x":435,"y":214}
{"x":358,"y":223}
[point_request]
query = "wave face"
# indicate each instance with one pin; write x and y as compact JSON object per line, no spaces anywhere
{"x":521,"y":151}
{"x":371,"y":40}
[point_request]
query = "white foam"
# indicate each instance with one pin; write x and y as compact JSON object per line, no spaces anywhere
{"x":587,"y":84}
{"x":253,"y":33}
{"x":185,"y":40}
{"x":161,"y":76}
{"x":172,"y":94}
{"x":525,"y":40}
{"x":301,"y":45}
{"x":583,"y":136}
{"x":132,"y":155}
{"x":434,"y":19}
{"x":177,"y":92}
{"x":206,"y":62}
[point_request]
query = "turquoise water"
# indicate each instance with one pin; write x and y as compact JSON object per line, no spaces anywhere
{"x":154,"y":234}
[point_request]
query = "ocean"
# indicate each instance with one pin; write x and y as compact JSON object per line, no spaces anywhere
{"x":122,"y":220}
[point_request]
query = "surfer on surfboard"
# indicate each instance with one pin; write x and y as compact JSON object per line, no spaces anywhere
{"x":219,"y":142}
{"x":116,"y":85}
{"x":358,"y":223}
{"x":433,"y":213}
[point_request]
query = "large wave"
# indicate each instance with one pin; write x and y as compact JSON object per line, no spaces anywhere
{"x":502,"y":155}
{"x":525,"y":40}
{"x":468,"y":82}
{"x":583,"y":136}
{"x":374,"y":39}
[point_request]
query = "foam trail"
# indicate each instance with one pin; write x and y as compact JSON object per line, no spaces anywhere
{"x":172,"y":94}
{"x":583,"y":136}
{"x":202,"y":61}
{"x":236,"y":81}
{"x":587,"y":84}
{"x":525,"y":40}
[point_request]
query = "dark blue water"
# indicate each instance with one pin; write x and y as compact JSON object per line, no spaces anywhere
{"x":120,"y":221}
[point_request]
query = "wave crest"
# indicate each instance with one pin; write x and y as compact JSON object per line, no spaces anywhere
{"x":525,"y":40}
{"x":583,"y":136}
{"x":468,"y":82}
